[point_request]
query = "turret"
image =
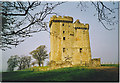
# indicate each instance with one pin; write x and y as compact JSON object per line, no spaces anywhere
{"x":78,"y":25}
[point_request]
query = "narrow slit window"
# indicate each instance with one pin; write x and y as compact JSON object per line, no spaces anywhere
{"x":63,"y":31}
{"x":62,"y":24}
{"x":63,"y":38}
{"x":80,"y":50}
{"x":63,"y":49}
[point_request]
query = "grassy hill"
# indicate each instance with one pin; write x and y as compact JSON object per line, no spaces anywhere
{"x":104,"y":73}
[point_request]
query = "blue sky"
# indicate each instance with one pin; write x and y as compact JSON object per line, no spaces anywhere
{"x":104,"y":43}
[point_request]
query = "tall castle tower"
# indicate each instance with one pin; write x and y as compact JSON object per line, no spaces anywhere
{"x":69,"y":41}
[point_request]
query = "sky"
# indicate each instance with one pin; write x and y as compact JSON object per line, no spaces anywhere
{"x":103,"y":43}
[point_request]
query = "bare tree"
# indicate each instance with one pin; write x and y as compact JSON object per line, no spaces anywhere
{"x":21,"y":20}
{"x":105,"y":14}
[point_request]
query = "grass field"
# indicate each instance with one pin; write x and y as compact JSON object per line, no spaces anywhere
{"x":114,"y":65}
{"x":104,"y":73}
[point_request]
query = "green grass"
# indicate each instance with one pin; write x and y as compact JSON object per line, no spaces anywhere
{"x":114,"y":65}
{"x":36,"y":69}
{"x":63,"y":74}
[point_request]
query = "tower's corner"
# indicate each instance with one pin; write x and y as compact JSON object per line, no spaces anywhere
{"x":51,"y":19}
{"x":87,"y":26}
{"x":77,"y":21}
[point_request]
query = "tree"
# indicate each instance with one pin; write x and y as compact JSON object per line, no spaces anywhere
{"x":20,"y":62}
{"x":40,"y":54}
{"x":21,"y":20}
{"x":104,"y":13}
{"x":28,"y":61}
{"x":24,"y":62}
{"x":47,"y":63}
{"x":12,"y":62}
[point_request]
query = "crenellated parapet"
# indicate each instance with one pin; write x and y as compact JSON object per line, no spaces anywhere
{"x":66,"y":19}
{"x":78,"y":25}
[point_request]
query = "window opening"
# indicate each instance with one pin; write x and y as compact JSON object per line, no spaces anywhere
{"x":72,"y":34}
{"x":63,"y":38}
{"x":80,"y":50}
{"x":63,"y":49}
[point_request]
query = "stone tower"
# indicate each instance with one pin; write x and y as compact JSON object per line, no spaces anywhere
{"x":69,"y":41}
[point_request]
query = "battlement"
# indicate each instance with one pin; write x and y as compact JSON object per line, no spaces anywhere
{"x":68,"y":19}
{"x":79,"y":25}
{"x":60,"y":19}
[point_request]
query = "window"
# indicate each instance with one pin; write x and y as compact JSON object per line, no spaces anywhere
{"x":63,"y":38}
{"x":72,"y":34}
{"x":80,"y":50}
{"x":63,"y":49}
{"x":63,"y":31}
{"x":62,"y":24}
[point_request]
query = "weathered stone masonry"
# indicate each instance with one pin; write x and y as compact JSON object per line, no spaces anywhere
{"x":70,"y":42}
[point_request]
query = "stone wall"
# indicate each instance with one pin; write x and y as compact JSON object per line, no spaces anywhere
{"x":95,"y":62}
